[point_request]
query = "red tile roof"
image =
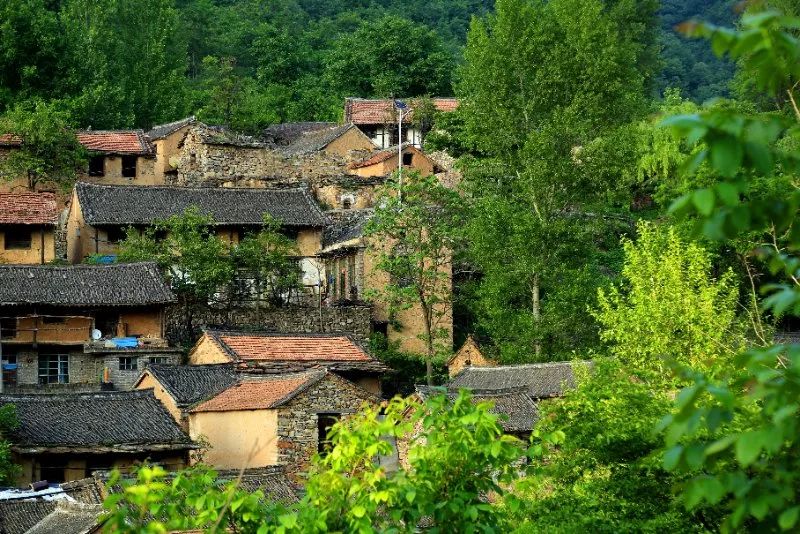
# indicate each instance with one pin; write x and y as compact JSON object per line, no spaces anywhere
{"x":261,"y":393}
{"x":382,"y":111}
{"x":28,"y":208}
{"x":10,"y":140}
{"x":283,"y":347}
{"x":116,"y":142}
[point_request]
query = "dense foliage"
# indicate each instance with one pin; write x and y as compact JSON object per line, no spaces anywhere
{"x":126,"y":63}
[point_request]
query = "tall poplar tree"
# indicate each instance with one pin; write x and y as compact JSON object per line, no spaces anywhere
{"x":548,"y":91}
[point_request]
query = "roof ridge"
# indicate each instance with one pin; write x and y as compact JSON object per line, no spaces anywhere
{"x":89,"y":185}
{"x":78,"y":266}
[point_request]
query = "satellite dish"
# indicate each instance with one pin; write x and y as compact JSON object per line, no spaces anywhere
{"x":96,"y":334}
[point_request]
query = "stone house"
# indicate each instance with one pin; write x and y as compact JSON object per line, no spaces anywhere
{"x":99,"y":216}
{"x":377,"y":118}
{"x":28,"y":223}
{"x":383,"y":163}
{"x":64,"y":327}
{"x":64,"y":437}
{"x":166,"y":140}
{"x":270,"y":352}
{"x":120,"y":157}
{"x":274,"y":419}
{"x":351,"y":267}
{"x":468,"y":355}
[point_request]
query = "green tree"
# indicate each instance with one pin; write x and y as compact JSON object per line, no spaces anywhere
{"x":8,"y":423}
{"x":127,"y":62}
{"x":738,"y":434}
{"x":669,"y":310}
{"x":197,"y":263}
{"x":607,"y":475}
{"x":268,"y":257}
{"x":49,"y":151}
{"x":30,"y":40}
{"x":391,"y":56}
{"x":547,"y":94}
{"x":417,"y":230}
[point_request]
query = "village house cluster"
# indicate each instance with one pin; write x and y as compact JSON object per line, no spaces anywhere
{"x":88,"y":353}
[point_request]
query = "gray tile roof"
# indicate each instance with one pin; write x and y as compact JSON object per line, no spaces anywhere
{"x":271,"y":480}
{"x":519,"y":412}
{"x":189,"y":384}
{"x":69,"y":517}
{"x":350,"y":225}
{"x":288,"y":132}
{"x":316,"y":140}
{"x":119,"y":421}
{"x":84,"y":490}
{"x":17,"y":516}
{"x":163,"y":130}
{"x":125,"y":284}
{"x":539,"y":380}
{"x":145,"y":205}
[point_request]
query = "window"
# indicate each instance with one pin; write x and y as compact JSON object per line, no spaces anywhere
{"x":97,"y":166}
{"x":408,"y":158}
{"x":158,"y":359}
{"x":129,"y":166}
{"x":9,"y":367}
{"x":8,"y":327}
{"x":324,"y":423}
{"x":115,"y":234}
{"x":347,"y":203}
{"x":54,"y":368}
{"x":17,"y":238}
{"x":127,"y":363}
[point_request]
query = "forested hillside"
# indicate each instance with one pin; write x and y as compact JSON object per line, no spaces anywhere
{"x":249,"y":63}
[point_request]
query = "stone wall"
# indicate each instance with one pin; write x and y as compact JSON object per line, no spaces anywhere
{"x":355,"y":320}
{"x":298,"y":420}
{"x":86,"y":369}
{"x":215,"y":164}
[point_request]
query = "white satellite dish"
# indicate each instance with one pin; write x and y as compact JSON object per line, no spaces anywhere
{"x":96,"y":334}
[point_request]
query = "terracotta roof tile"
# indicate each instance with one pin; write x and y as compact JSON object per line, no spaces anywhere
{"x":28,"y":208}
{"x":260,"y":394}
{"x":381,"y":111}
{"x":282,"y":347}
{"x":116,"y":142}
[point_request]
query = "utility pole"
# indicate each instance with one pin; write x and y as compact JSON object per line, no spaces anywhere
{"x":400,"y":105}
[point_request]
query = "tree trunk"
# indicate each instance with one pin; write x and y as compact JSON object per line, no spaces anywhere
{"x":428,"y":315}
{"x":537,"y":312}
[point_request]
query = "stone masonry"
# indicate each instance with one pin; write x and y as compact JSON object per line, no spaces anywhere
{"x":298,"y":420}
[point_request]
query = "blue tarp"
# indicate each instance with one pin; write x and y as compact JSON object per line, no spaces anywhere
{"x":125,"y":342}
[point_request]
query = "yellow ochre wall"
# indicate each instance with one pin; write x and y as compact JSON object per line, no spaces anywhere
{"x":419,"y":163}
{"x":413,"y":324}
{"x":148,"y":382}
{"x":167,"y":148}
{"x":32,"y":255}
{"x":145,"y":172}
{"x":237,"y":439}
{"x":352,"y":139}
{"x":206,"y":351}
